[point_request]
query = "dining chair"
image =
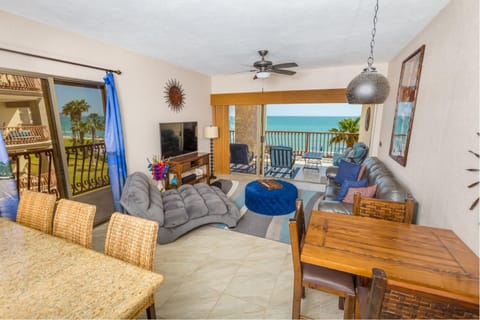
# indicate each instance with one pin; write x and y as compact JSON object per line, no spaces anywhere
{"x":133,"y":240}
{"x":73,"y":222}
{"x":383,"y":209}
{"x":35,"y":210}
{"x":315,"y":277}
{"x":386,"y":299}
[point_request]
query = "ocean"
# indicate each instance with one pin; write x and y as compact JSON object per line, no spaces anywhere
{"x":67,"y":127}
{"x":299,"y":123}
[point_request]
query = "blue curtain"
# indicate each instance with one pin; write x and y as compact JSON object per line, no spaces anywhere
{"x":8,"y":187}
{"x":117,"y":167}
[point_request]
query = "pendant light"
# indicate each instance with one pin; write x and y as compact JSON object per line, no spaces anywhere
{"x":369,"y":87}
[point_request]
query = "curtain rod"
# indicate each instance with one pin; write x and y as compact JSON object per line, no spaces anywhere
{"x":60,"y":60}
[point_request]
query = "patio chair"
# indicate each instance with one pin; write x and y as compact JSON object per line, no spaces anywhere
{"x":383,"y":209}
{"x":315,"y":277}
{"x":388,"y":300}
{"x":35,"y":210}
{"x":73,"y":222}
{"x":133,"y":240}
{"x":240,"y":155}
{"x":282,"y":157}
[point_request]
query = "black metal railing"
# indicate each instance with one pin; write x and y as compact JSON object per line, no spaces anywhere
{"x":35,"y":170}
{"x":87,"y":167}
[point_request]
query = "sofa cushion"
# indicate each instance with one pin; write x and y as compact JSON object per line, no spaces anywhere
{"x":367,"y":192}
{"x":347,"y":171}
{"x":347,"y":184}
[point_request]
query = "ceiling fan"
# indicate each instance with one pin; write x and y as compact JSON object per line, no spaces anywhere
{"x":264,"y":68}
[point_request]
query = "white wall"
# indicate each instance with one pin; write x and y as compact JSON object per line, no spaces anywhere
{"x":446,"y":122}
{"x":140,"y":87}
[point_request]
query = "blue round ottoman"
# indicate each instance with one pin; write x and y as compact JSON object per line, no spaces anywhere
{"x":271,"y":202}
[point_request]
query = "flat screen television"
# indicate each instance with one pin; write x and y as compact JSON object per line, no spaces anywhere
{"x":178,"y":138}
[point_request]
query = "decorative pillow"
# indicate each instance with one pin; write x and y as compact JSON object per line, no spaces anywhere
{"x":367,"y":192}
{"x":347,"y":184}
{"x":347,"y":171}
{"x":362,"y":172}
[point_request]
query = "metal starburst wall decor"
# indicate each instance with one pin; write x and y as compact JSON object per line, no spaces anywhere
{"x":475,"y":202}
{"x":174,"y":95}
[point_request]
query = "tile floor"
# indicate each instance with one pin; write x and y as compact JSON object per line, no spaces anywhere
{"x":211,"y":273}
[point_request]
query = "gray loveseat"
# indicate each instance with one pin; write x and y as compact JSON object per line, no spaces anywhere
{"x":177,"y":211}
{"x":388,"y":188}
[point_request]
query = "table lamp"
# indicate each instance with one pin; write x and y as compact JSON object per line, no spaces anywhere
{"x":211,"y":132}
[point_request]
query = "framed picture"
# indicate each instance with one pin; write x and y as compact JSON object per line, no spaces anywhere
{"x":405,"y":109}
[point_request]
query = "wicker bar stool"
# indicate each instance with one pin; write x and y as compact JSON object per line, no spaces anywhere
{"x":35,"y":210}
{"x":385,"y":300}
{"x":383,"y":209}
{"x":133,"y":240}
{"x":74,"y":222}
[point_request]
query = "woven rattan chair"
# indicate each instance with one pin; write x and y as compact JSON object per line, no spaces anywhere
{"x":385,"y":300}
{"x":314,"y":277}
{"x":383,"y":209}
{"x":133,"y":240}
{"x":74,"y":222}
{"x":35,"y":210}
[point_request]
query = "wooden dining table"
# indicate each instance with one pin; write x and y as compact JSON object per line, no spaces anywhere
{"x":42,"y":276}
{"x":427,"y":259}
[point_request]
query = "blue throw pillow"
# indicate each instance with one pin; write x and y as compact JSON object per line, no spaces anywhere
{"x":347,"y":184}
{"x":347,"y":171}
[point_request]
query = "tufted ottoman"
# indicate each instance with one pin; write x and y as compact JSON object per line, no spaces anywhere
{"x":271,"y":202}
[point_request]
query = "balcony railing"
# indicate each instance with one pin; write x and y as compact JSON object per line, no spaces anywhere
{"x":24,"y":134}
{"x":34,"y":170}
{"x":87,"y":169}
{"x":87,"y":166}
{"x":302,"y":141}
{"x":17,"y":82}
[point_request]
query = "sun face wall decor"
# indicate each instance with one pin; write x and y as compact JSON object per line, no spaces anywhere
{"x":174,"y":95}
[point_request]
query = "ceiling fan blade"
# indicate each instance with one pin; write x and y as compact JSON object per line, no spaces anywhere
{"x":286,"y":72}
{"x":255,"y":77}
{"x":285,"y":65}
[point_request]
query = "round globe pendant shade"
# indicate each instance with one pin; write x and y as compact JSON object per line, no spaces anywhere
{"x":369,"y":87}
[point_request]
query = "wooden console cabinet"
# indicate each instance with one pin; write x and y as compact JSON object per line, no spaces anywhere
{"x":189,"y":164}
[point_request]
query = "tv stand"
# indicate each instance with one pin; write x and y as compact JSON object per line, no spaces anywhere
{"x":189,"y":168}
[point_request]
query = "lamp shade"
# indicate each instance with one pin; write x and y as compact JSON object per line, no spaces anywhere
{"x":369,"y":87}
{"x":210,"y":132}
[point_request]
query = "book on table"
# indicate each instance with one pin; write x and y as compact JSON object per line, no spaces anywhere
{"x":270,"y":184}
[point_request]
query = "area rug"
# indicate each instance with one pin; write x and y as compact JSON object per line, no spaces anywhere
{"x":269,"y":227}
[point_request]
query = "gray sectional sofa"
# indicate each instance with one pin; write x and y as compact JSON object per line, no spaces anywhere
{"x":388,"y":188}
{"x":177,"y":211}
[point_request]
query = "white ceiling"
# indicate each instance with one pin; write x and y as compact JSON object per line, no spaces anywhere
{"x":222,"y":36}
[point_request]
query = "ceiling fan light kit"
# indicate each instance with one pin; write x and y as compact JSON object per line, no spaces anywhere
{"x":265,"y":68}
{"x":262,"y":74}
{"x":369,"y":87}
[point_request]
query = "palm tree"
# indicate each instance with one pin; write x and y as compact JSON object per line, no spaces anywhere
{"x":80,"y":128}
{"x":345,"y":126}
{"x":74,"y":109}
{"x":95,"y":123}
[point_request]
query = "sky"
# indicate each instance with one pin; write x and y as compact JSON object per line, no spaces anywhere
{"x":323,"y":109}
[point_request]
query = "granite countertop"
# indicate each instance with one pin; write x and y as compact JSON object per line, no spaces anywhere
{"x":42,"y":276}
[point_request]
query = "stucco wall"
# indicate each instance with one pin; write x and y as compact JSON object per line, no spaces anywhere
{"x":140,"y":87}
{"x":446,"y":122}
